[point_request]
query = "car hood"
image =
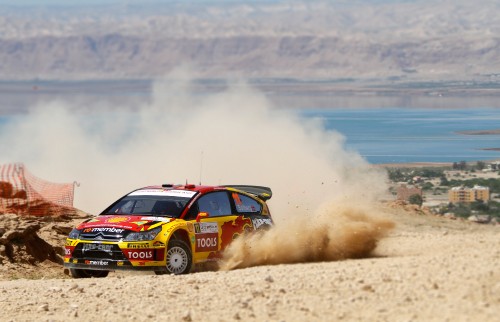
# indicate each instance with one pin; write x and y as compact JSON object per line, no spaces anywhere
{"x":134,"y":223}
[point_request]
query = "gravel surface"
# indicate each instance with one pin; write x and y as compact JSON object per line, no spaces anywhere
{"x":427,"y":269}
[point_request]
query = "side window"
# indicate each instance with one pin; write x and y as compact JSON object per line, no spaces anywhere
{"x":215,"y":204}
{"x":246,"y":204}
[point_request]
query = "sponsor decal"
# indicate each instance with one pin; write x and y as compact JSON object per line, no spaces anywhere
{"x":138,"y":245}
{"x":120,"y":263}
{"x":190,"y":227}
{"x":152,"y":218}
{"x":68,"y":250}
{"x":206,"y":227}
{"x":104,"y":229}
{"x":75,"y":261}
{"x":158,"y":244}
{"x":99,"y":262}
{"x":173,"y":227}
{"x":117,"y":219}
{"x":207,"y":242}
{"x":232,"y":228}
{"x":102,"y":247}
{"x":257,"y":222}
{"x":162,"y":192}
{"x":139,"y":254}
{"x":245,"y":208}
{"x":139,"y":223}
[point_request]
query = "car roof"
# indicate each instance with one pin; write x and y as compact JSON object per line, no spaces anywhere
{"x":262,"y":193}
{"x":188,"y":187}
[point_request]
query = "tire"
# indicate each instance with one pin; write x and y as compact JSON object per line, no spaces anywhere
{"x":178,"y":257}
{"x":87,"y":273}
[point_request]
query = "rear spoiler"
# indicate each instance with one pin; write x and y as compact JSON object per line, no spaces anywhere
{"x":264,"y":193}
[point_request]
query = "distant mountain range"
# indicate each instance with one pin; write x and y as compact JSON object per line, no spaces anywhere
{"x":332,"y":40}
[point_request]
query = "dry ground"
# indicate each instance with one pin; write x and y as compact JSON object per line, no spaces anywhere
{"x":428,"y":269}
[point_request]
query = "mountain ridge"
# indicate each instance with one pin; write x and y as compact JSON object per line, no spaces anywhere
{"x":407,"y":41}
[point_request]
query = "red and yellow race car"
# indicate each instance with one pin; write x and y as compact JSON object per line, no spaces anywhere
{"x":166,"y":229}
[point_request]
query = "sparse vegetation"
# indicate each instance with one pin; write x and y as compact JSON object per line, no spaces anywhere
{"x":407,"y":174}
{"x":493,"y":184}
{"x":479,"y":207}
{"x":416,"y":199}
{"x":438,"y":180}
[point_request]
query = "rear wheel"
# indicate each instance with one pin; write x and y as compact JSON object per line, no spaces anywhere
{"x":87,"y":273}
{"x":179,"y":260}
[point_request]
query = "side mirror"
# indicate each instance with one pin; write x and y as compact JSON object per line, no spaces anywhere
{"x":201,"y":215}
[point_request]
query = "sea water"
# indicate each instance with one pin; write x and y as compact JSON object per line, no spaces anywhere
{"x":400,"y":135}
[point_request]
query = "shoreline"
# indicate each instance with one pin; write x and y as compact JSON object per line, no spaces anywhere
{"x":414,"y":165}
{"x":428,"y":164}
{"x":480,"y":132}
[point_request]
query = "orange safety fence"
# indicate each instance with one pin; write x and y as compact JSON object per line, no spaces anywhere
{"x":22,"y":192}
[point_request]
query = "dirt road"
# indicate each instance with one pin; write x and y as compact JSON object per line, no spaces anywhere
{"x":428,"y":269}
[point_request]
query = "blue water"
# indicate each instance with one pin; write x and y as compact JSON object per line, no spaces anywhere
{"x":397,"y":135}
{"x":400,"y":135}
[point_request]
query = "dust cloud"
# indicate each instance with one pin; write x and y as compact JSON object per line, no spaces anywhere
{"x":232,"y":137}
{"x":336,"y":234}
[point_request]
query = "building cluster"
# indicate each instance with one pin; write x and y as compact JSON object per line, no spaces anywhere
{"x":465,"y":194}
{"x":460,"y":194}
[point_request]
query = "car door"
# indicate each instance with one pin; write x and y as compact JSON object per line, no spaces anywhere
{"x":214,"y":233}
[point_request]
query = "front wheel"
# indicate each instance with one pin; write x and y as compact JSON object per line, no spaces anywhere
{"x":87,"y":273}
{"x":179,"y":260}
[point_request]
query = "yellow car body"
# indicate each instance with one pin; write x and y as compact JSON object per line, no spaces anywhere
{"x":194,"y":226}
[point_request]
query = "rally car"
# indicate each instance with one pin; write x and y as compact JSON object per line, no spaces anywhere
{"x":166,"y":229}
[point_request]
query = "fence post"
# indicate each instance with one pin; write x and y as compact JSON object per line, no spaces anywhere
{"x":19,"y":168}
{"x":75,"y":184}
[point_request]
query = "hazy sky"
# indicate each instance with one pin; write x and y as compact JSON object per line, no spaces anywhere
{"x":66,"y":3}
{"x":100,"y":2}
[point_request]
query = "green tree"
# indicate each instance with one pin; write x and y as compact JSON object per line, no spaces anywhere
{"x":395,"y":175}
{"x":480,"y":205}
{"x":461,"y":210}
{"x":427,"y":186}
{"x":415,"y":199}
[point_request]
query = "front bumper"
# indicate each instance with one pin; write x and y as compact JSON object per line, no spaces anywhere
{"x":111,"y":265}
{"x":149,"y":255}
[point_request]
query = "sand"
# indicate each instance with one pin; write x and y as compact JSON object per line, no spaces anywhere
{"x":427,"y":269}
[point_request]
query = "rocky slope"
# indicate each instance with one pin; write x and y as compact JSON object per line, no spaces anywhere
{"x":32,"y":247}
{"x":427,"y":269}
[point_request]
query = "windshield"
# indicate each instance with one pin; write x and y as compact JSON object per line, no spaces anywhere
{"x":168,"y":206}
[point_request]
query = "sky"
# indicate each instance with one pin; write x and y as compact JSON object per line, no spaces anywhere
{"x":67,"y":3}
{"x":101,"y":2}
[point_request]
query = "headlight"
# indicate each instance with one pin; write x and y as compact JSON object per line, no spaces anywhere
{"x":143,"y":235}
{"x":74,"y":234}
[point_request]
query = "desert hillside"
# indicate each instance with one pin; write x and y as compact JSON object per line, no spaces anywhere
{"x":428,"y":268}
{"x":341,"y":40}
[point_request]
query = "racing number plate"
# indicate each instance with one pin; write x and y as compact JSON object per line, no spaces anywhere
{"x":103,"y":247}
